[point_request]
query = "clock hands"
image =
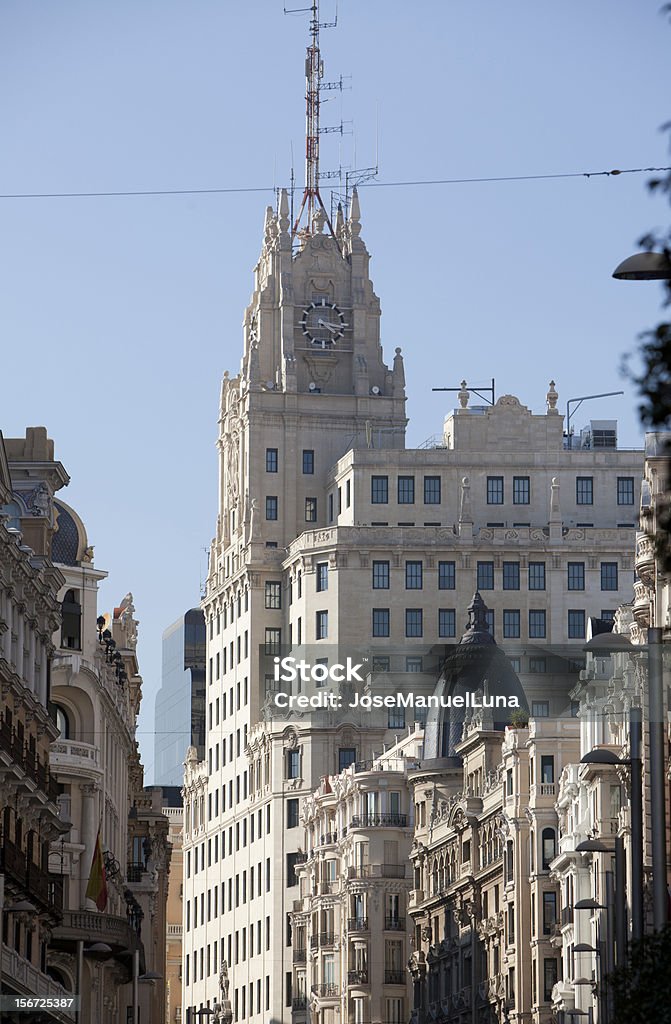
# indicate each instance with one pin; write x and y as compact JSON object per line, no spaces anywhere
{"x":333,"y":328}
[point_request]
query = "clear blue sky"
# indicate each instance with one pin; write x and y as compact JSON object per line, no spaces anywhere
{"x":119,"y":315}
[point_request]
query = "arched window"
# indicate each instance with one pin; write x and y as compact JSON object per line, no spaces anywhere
{"x":549,"y":847}
{"x":63,"y":722}
{"x":71,"y":630}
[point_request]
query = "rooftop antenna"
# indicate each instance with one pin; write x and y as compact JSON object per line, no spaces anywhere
{"x":312,"y":201}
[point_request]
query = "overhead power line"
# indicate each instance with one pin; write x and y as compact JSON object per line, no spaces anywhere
{"x":369,"y":184}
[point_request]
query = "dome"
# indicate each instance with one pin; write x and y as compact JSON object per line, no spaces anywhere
{"x":475,"y":669}
{"x":69,"y":542}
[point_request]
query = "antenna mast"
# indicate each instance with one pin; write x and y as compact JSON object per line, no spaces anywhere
{"x":312,"y":201}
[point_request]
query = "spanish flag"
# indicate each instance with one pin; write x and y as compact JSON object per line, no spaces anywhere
{"x":96,"y":890}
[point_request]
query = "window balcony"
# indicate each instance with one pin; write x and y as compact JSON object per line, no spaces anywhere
{"x":357,"y":924}
{"x":394,"y":924}
{"x":71,"y":757}
{"x":299,"y":1002}
{"x":395,"y":977}
{"x":379,"y":820}
{"x":359,"y":977}
{"x":300,"y":956}
{"x":328,"y":990}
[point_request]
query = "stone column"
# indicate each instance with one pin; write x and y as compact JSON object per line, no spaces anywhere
{"x":7,"y":637}
{"x":88,"y":835}
{"x":19,"y":641}
{"x":42,"y":683}
{"x":30,"y":674}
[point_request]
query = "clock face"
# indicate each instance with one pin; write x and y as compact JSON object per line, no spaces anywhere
{"x":323,"y":323}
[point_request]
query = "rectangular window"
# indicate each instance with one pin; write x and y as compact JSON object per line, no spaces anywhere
{"x":273,"y":641}
{"x":540,"y":709}
{"x":310,"y":510}
{"x":584,"y":490}
{"x":511,"y":623}
{"x":536,"y":623}
{"x":549,"y":912}
{"x":379,"y":490}
{"x":432,"y":490}
{"x":576,"y":576}
{"x":495,"y":490}
{"x":446,"y":576}
{"x":293,"y":764}
{"x":271,"y":507}
{"x":536,"y":575}
{"x":292,"y":861}
{"x":549,"y":978}
{"x":413,"y":664}
{"x":537,"y":665}
{"x":346,"y":757}
{"x":322,"y":574}
{"x":380,"y":575}
{"x":321,"y":625}
{"x":521,"y":490}
{"x":625,"y":490}
{"x":485,"y":576}
{"x":380,"y":622}
{"x":447,"y":622}
{"x":396,"y":718}
{"x":511,"y":575}
{"x":271,"y":460}
{"x":413,"y":575}
{"x":330,"y":508}
{"x":413,"y":622}
{"x":576,"y":624}
{"x":308,"y":461}
{"x":489,"y":617}
{"x":273,"y":594}
{"x":609,"y":575}
{"x":406,"y":490}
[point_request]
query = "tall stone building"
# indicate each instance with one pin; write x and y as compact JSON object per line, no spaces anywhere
{"x":332,"y":538}
{"x":179,"y":718}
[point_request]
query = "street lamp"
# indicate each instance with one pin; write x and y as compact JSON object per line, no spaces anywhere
{"x":644,"y":266}
{"x":597,"y":846}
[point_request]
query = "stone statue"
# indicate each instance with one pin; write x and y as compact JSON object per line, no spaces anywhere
{"x":223,"y":980}
{"x":465,"y":515}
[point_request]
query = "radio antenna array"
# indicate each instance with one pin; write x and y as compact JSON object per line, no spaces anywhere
{"x":312,"y":201}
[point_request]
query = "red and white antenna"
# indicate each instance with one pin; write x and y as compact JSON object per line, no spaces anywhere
{"x":312,"y":201}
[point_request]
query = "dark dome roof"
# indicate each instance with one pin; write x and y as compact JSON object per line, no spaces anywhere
{"x":65,"y":545}
{"x":475,"y":664}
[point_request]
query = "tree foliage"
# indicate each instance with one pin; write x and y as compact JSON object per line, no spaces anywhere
{"x":641,"y":989}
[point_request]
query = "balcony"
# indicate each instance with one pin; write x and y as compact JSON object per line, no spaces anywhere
{"x":174,"y":931}
{"x":395,"y":977}
{"x":326,"y":938}
{"x":357,"y":924}
{"x":393,"y":870}
{"x":90,"y":926}
{"x":43,"y":887}
{"x":329,"y":990}
{"x":357,"y":977}
{"x":134,"y":872}
{"x":300,"y":956}
{"x":28,"y":980}
{"x":71,"y":757}
{"x":21,"y":756}
{"x":379,"y":820}
{"x":299,"y":1003}
{"x":394,"y":924}
{"x":566,"y":915}
{"x":328,"y":839}
{"x":415,"y":897}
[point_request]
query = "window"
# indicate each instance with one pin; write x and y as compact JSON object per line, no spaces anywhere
{"x":536,"y":623}
{"x":495,"y":490}
{"x":273,"y":594}
{"x":379,"y":490}
{"x":540,"y":709}
{"x":271,"y":507}
{"x":271,"y":460}
{"x":576,"y":624}
{"x":292,"y":813}
{"x":537,"y":665}
{"x":576,"y":576}
{"x":413,"y":664}
{"x":406,"y":490}
{"x":311,"y":510}
{"x":584,"y":490}
{"x":432,"y":490}
{"x":549,"y":978}
{"x":520,"y":490}
{"x":380,"y":622}
{"x":625,"y":490}
{"x":293,"y":764}
{"x":447,"y":622}
{"x":511,"y":623}
{"x":396,"y":718}
{"x":489,"y":619}
{"x":547,"y":770}
{"x":308,"y":461}
{"x":381,"y":663}
{"x":413,"y":575}
{"x":62,"y":722}
{"x":273,"y":641}
{"x":413,"y":622}
{"x":549,"y":912}
{"x":446,"y":576}
{"x":346,"y":757}
{"x":608,"y":614}
{"x":485,"y":576}
{"x":536,"y":575}
{"x":511,"y":575}
{"x":322,"y":576}
{"x":292,"y":861}
{"x":609,"y":575}
{"x":321,"y":625}
{"x":380,"y":575}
